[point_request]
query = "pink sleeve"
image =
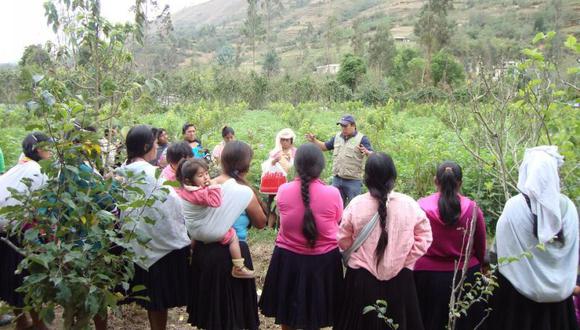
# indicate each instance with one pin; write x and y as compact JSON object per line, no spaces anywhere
{"x":479,"y":239}
{"x":209,"y":196}
{"x":340,"y":208}
{"x":345,"y":230}
{"x":423,"y":239}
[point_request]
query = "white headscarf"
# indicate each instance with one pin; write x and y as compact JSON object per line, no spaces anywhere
{"x":285,"y":133}
{"x":539,"y":180}
{"x":549,"y":275}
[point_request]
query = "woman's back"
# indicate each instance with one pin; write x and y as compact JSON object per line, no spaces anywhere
{"x":448,"y":240}
{"x":408,"y":230}
{"x":326,"y":205}
{"x":550,"y":275}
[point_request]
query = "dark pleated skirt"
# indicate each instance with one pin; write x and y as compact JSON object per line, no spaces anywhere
{"x":166,"y":282}
{"x":303,"y":291}
{"x":217,"y":299}
{"x":363,"y":289}
{"x":511,"y":310}
{"x":9,"y":282}
{"x":434,"y":291}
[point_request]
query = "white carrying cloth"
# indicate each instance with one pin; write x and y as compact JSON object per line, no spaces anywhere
{"x":208,"y":224}
{"x":550,"y":274}
{"x":168,"y":233}
{"x":538,"y":179}
{"x":13,"y":179}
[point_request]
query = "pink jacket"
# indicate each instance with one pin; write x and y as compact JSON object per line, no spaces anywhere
{"x":409,"y":234}
{"x":205,"y":196}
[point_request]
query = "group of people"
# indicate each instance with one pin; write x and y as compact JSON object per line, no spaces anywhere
{"x":393,"y":247}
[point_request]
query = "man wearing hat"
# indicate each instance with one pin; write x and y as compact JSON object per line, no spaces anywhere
{"x":349,"y":150}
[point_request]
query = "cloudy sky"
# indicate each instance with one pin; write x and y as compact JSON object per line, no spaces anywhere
{"x":22,"y":22}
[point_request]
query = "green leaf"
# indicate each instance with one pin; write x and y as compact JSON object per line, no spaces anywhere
{"x":534,"y":54}
{"x":174,"y":184}
{"x":571,"y":43}
{"x":539,"y":36}
{"x":138,"y":288}
{"x":368,"y":309}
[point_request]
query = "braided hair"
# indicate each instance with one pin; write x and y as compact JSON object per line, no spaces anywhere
{"x":380,"y":176}
{"x":309,"y":164}
{"x":449,"y":178}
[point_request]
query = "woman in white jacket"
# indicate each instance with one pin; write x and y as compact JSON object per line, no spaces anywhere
{"x":536,"y":292}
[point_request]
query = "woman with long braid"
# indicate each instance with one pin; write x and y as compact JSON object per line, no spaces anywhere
{"x":381,"y":268}
{"x":303,"y":286}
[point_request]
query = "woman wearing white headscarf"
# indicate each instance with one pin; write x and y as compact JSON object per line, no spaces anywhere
{"x":283,"y":152}
{"x":282,"y":156}
{"x":536,"y":292}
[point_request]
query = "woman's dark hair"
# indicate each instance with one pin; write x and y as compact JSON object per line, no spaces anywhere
{"x":139,"y":142}
{"x":380,"y":176}
{"x":178,"y":151}
{"x":188,"y":168}
{"x":159,"y":132}
{"x":30,"y":145}
{"x":185,"y":127}
{"x":236,"y":159}
{"x":449,"y":176}
{"x":309,"y":163}
{"x":227,"y":130}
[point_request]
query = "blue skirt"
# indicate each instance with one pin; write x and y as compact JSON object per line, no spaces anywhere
{"x":303,"y":291}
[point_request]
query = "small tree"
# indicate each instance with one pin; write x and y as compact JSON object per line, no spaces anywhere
{"x":271,"y":64}
{"x":226,"y":56}
{"x":445,"y":69}
{"x":352,"y":69}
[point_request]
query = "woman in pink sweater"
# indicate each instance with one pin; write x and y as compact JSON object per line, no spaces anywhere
{"x":303,"y":285}
{"x":381,"y":268}
{"x":450,"y":215}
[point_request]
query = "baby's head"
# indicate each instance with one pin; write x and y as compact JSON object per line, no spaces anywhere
{"x":193,"y":172}
{"x":178,"y":151}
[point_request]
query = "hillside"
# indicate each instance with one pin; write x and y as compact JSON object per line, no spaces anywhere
{"x":492,"y":29}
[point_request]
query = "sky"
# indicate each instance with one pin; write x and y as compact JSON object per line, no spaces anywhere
{"x":22,"y":22}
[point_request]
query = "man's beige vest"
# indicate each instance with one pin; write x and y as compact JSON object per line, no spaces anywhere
{"x":348,"y":162}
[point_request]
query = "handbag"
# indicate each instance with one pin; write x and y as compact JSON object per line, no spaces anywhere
{"x":361,"y":238}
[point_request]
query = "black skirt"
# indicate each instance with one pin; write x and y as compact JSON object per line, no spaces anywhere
{"x":434,"y":291}
{"x":217,"y":299}
{"x":511,"y":310}
{"x":303,"y":291}
{"x":9,"y":282}
{"x":166,"y":282}
{"x":363,"y":289}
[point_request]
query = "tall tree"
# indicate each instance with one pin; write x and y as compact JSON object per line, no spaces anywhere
{"x":331,"y":36}
{"x":382,"y":50}
{"x":434,"y":28}
{"x":253,"y":28}
{"x":272,"y":9}
{"x":358,"y":40}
